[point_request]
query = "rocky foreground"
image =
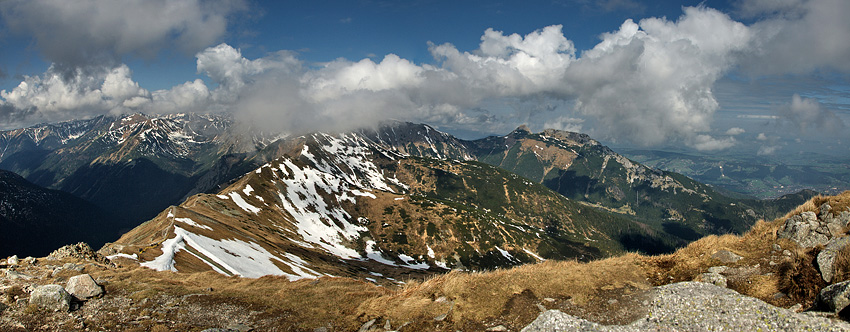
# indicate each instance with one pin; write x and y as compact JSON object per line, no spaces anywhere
{"x":698,"y":306}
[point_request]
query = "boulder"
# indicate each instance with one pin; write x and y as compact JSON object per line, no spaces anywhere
{"x":826,"y":258}
{"x":726,"y":256}
{"x":11,"y":261}
{"x":51,"y":297}
{"x":834,"y":298}
{"x":83,"y":287}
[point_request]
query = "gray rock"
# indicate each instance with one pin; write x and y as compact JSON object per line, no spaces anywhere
{"x":2,"y":307}
{"x":387,"y":325}
{"x":826,"y":258}
{"x":712,"y":278}
{"x":825,"y":208}
{"x":83,"y":287}
{"x":834,"y":298}
{"x":17,"y":275}
{"x":11,"y":261}
{"x":239,"y":327}
{"x":726,"y":256}
{"x":717,"y":269}
{"x":51,"y":297}
{"x":776,"y":247}
{"x":365,"y":327}
{"x":497,"y":328}
{"x":555,"y":320}
{"x":695,"y":306}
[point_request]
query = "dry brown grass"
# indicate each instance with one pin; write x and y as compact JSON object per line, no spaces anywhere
{"x":478,"y":297}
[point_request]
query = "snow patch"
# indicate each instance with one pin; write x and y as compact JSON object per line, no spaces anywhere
{"x":243,"y":204}
{"x":134,"y":257}
{"x":533,"y":254}
{"x":190,"y":222}
{"x":245,"y":259}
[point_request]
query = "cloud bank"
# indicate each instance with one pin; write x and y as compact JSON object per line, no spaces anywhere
{"x":648,"y":83}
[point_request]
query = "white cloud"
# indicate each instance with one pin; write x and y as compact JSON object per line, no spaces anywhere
{"x":799,"y":36}
{"x":651,"y":82}
{"x":54,"y":96}
{"x":708,"y":143}
{"x":761,"y":137}
{"x":809,"y":116}
{"x":735,"y":131}
{"x":767,"y":150}
{"x":565,"y":123}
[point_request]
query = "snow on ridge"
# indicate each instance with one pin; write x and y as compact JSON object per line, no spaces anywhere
{"x":243,"y":204}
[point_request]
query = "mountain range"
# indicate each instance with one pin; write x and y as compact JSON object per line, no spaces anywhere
{"x":393,"y":200}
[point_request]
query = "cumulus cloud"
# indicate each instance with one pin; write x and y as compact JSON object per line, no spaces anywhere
{"x":767,"y":150}
{"x":735,"y":131}
{"x":651,"y":82}
{"x":808,"y":115}
{"x":798,"y":36}
{"x":54,"y":96}
{"x":86,"y":33}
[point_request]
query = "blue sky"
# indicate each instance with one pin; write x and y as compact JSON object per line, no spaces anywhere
{"x":711,"y":76}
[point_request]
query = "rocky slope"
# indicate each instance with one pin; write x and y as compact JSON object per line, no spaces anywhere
{"x":35,"y":220}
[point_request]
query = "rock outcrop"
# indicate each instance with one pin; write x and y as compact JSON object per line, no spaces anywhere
{"x":808,"y":229}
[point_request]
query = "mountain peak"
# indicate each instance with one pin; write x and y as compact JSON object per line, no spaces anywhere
{"x":522,"y":129}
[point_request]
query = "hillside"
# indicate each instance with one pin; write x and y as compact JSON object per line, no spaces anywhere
{"x":35,"y":220}
{"x":344,"y":206}
{"x":751,"y":280}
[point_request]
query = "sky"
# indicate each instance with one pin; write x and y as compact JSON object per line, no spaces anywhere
{"x":766,"y":77}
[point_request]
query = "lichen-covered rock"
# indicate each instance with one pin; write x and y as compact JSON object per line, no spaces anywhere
{"x":834,"y":298}
{"x":51,"y":297}
{"x":83,"y":287}
{"x":826,"y":258}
